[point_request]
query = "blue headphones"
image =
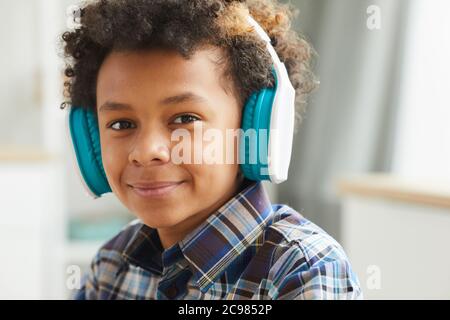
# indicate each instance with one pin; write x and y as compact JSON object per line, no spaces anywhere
{"x":270,"y":109}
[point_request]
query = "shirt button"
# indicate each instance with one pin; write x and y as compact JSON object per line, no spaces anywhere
{"x":172,"y":292}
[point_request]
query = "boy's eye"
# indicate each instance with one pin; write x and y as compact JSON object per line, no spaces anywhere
{"x":185,"y":118}
{"x":121,"y":125}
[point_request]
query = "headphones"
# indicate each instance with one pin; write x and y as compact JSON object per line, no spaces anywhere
{"x":270,"y":110}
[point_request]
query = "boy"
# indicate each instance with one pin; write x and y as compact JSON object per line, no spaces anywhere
{"x":152,"y":69}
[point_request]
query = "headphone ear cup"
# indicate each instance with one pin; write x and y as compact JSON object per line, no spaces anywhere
{"x":247,"y":124}
{"x":255,"y":119}
{"x":85,"y":136}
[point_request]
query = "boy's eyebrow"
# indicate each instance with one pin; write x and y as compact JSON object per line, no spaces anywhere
{"x":176,"y":99}
{"x":114,"y":106}
{"x":183,"y":97}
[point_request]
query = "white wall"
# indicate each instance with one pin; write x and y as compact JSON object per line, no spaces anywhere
{"x":19,"y":90}
{"x":423,"y":141}
{"x":400,"y":246}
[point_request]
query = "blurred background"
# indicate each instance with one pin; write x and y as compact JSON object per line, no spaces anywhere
{"x":370,"y":162}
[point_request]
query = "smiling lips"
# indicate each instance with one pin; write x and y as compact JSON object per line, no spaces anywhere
{"x":154,"y":189}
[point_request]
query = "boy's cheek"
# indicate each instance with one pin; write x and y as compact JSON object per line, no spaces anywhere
{"x":113,"y":162}
{"x":211,"y":181}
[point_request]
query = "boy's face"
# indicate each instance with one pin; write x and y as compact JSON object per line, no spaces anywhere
{"x":142,"y":98}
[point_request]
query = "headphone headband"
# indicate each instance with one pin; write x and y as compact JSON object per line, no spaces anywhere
{"x":282,"y":118}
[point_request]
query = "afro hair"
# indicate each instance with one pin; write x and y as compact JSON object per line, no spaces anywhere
{"x":186,"y":25}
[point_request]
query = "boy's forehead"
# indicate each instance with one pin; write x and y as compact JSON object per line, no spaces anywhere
{"x":157,"y":72}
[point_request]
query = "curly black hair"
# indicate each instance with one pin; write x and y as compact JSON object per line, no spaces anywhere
{"x":185,"y":26}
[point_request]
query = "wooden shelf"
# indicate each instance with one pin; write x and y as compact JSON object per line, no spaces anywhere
{"x":417,"y":191}
{"x":24,"y":154}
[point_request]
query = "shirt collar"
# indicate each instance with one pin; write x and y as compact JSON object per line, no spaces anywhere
{"x":146,"y":251}
{"x":213,"y":245}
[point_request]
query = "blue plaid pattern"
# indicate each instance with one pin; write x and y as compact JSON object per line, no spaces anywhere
{"x":248,"y":249}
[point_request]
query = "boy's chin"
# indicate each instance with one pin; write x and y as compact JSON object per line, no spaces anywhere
{"x":160,"y":220}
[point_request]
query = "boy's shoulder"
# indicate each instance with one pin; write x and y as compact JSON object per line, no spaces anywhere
{"x":293,"y":235}
{"x":112,"y":252}
{"x":307,"y":263}
{"x":122,"y":239}
{"x":290,"y":226}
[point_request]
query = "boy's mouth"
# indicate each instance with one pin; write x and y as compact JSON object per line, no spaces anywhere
{"x":155,"y":188}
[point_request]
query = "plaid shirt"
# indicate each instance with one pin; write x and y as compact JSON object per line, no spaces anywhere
{"x":248,"y":249}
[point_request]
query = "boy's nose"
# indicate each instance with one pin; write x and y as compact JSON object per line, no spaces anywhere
{"x":150,"y":148}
